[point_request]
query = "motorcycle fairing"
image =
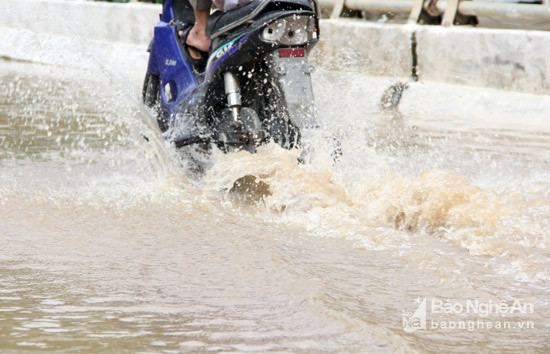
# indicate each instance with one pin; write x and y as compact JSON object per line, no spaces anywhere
{"x":222,"y":53}
{"x":178,"y":11}
{"x":171,"y":65}
{"x":244,"y":48}
{"x":236,"y":52}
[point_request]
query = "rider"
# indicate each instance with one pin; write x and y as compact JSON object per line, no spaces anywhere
{"x":197,"y":37}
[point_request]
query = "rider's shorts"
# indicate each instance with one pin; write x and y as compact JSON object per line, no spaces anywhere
{"x":201,"y":4}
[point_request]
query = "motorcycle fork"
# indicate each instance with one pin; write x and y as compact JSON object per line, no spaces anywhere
{"x":233,"y":94}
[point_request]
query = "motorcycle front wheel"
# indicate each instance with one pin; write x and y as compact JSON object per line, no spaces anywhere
{"x":271,"y":108}
{"x":151,"y":99}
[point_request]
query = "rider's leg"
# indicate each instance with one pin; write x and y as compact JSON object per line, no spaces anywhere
{"x":197,"y":36}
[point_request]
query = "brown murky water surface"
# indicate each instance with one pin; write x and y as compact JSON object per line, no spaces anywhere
{"x":110,"y":244}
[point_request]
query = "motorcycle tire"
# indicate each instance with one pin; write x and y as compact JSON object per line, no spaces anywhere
{"x":151,"y":99}
{"x":272,"y":111}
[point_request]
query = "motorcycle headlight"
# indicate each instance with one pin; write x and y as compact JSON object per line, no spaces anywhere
{"x":290,"y":30}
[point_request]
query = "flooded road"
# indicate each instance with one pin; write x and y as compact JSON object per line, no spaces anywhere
{"x":109,"y":244}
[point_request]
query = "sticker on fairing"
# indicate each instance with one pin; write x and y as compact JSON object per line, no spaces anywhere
{"x":223,"y":52}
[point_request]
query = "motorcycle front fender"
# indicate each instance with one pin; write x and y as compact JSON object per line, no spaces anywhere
{"x":294,"y":78}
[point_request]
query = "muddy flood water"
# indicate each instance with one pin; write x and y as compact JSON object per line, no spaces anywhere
{"x":431,"y":233}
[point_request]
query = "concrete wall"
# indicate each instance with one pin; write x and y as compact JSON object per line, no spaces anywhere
{"x":514,"y":60}
{"x":504,"y":59}
{"x":364,"y":47}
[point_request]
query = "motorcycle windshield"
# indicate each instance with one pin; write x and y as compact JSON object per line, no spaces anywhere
{"x":226,"y":5}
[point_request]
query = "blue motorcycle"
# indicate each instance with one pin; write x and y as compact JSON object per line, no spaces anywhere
{"x":255,"y":85}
